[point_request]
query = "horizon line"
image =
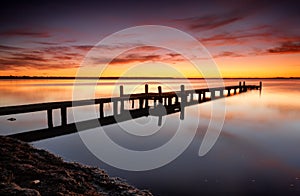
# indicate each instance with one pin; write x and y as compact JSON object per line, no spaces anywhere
{"x":137,"y":77}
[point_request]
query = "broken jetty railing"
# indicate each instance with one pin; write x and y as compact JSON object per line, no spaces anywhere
{"x":162,"y":103}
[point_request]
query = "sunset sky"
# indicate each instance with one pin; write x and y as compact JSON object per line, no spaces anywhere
{"x":246,"y":38}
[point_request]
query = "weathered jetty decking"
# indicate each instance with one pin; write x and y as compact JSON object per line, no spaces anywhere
{"x":162,"y":103}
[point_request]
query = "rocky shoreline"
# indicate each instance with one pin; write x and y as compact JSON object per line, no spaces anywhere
{"x":26,"y":170}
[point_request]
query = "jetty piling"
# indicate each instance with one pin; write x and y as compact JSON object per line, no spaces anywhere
{"x":101,"y":110}
{"x":182,"y":102}
{"x":222,"y":92}
{"x":63,"y":114}
{"x":160,"y":100}
{"x":115,"y":107}
{"x":50,"y":118}
{"x":199,"y":96}
{"x":146,"y":96}
{"x":212,"y":94}
{"x":122,"y":100}
{"x":260,"y":85}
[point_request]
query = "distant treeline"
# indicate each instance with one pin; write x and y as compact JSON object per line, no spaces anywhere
{"x":115,"y":78}
{"x":72,"y":78}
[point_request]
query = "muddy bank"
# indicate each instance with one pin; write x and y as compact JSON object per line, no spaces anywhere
{"x":26,"y":170}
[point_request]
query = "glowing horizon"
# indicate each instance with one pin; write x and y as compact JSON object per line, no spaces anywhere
{"x":228,"y":67}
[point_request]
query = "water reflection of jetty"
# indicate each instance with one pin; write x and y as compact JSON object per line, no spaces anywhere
{"x":142,"y":104}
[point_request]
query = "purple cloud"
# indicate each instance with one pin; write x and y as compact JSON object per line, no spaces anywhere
{"x":25,"y":33}
{"x":285,"y":48}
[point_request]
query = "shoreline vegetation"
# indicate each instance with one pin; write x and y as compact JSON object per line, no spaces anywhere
{"x":126,"y":78}
{"x":26,"y":170}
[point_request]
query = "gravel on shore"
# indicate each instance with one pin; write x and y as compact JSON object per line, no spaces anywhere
{"x":25,"y":170}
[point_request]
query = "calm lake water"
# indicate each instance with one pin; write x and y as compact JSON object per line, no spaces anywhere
{"x":258,"y":149}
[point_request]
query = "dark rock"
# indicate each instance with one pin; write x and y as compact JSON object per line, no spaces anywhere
{"x":13,"y":189}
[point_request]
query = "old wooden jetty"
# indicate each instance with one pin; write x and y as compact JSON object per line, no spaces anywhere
{"x":142,"y":104}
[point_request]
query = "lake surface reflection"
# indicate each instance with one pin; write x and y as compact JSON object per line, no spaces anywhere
{"x":257,"y":151}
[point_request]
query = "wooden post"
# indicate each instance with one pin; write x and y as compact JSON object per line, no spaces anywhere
{"x":199,"y":96}
{"x":141,"y":103}
{"x":221,"y":92}
{"x":212,"y":94}
{"x":240,"y":86}
{"x":170,"y":100}
{"x":132,"y":103}
{"x":160,"y":101}
{"x":159,"y":94}
{"x":63,"y":113}
{"x":146,"y":93}
{"x":115,"y":107}
{"x":260,"y":85}
{"x":50,"y":119}
{"x":159,"y":120}
{"x":176,"y":99}
{"x":121,"y":91}
{"x":234,"y":90}
{"x":228,"y":94}
{"x":101,"y":110}
{"x":183,"y":102}
{"x":122,"y":100}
